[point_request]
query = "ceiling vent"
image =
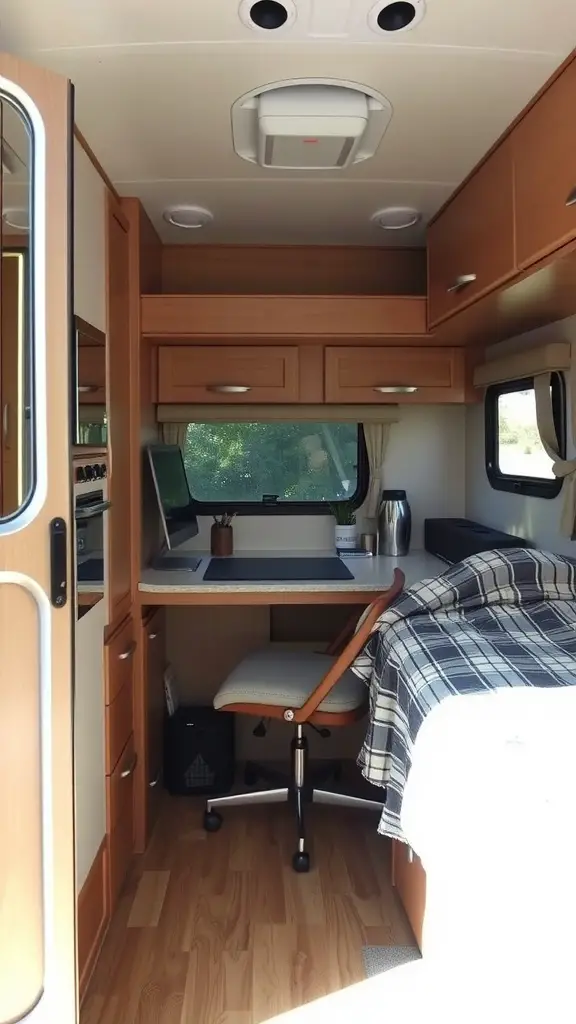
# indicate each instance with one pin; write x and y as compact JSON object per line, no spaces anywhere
{"x":315,"y":124}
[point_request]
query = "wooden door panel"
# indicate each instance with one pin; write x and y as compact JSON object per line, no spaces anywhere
{"x":91,"y":374}
{"x":473,"y":237}
{"x":544,"y":155}
{"x":119,"y":534}
{"x":37,"y":901}
{"x":356,"y":374}
{"x":197,"y":373}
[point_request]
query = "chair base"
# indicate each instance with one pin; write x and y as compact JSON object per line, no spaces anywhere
{"x":296,"y":789}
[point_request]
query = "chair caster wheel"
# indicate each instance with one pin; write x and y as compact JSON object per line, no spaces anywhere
{"x":212,"y":821}
{"x":301,"y":862}
{"x":250,"y":776}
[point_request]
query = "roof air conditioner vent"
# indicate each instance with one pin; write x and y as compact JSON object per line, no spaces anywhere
{"x":308,"y":125}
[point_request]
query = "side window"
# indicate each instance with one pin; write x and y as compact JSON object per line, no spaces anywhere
{"x":515,"y":457}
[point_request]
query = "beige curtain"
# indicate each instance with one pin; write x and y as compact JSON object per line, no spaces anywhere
{"x":565,"y":468}
{"x":174,"y":433}
{"x":377,"y":436}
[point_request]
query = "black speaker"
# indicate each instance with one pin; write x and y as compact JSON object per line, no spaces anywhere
{"x":198,"y":751}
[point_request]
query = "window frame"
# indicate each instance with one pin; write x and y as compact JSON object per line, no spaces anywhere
{"x":291,"y":508}
{"x":535,"y":487}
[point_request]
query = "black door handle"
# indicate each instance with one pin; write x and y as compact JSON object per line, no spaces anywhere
{"x":58,"y":563}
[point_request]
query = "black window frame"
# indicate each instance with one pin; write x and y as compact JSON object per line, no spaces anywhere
{"x":294,"y":508}
{"x":535,"y":487}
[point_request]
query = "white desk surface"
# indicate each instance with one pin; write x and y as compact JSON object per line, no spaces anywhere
{"x":369,"y":574}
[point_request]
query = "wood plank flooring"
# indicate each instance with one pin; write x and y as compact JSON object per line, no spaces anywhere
{"x":218,"y":929}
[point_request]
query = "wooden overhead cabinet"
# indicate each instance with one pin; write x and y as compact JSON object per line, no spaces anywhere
{"x":544,"y":157}
{"x":240,"y":373}
{"x":381,"y":375}
{"x":471,"y":242}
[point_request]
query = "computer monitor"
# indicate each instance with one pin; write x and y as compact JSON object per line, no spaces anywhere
{"x":179,"y":522}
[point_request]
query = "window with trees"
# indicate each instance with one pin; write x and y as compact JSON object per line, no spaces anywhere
{"x":515,"y":456}
{"x":275,"y":466}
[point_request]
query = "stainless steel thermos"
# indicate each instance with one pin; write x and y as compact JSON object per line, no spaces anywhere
{"x":394,"y":524}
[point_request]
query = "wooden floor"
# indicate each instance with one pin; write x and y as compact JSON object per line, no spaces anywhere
{"x":218,"y":929}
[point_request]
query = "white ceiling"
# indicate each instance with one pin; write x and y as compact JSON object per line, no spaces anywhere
{"x":155,"y":83}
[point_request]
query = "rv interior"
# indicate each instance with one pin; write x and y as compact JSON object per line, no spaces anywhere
{"x":288,"y":327}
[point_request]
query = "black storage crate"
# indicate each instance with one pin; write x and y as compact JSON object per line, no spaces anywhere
{"x":198,"y":751}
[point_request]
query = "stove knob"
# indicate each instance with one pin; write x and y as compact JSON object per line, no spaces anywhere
{"x":80,"y":475}
{"x":103,"y":470}
{"x":89,"y":473}
{"x":97,"y":472}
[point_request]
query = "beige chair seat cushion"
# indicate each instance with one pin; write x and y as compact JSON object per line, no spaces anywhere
{"x":284,"y":675}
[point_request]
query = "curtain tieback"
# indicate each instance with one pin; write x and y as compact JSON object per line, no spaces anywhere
{"x":564,"y":467}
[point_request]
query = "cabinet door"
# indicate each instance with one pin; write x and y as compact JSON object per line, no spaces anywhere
{"x":409,"y":878}
{"x":377,"y":375}
{"x":226,"y":373}
{"x":120,"y":809}
{"x":119,"y":532}
{"x":471,"y":245}
{"x":544,"y":154}
{"x":154,"y":664}
{"x":91,"y":374}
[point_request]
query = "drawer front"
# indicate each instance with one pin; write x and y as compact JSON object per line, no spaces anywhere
{"x":409,"y":879}
{"x":92,"y":374}
{"x":364,"y":374}
{"x":155,"y":661}
{"x":120,"y":810}
{"x":119,"y":725}
{"x":119,"y":654}
{"x":197,"y":373}
{"x":471,"y":245}
{"x":544,"y":155}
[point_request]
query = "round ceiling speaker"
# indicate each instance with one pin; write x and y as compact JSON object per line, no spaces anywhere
{"x":189,"y":217}
{"x":17,"y":218}
{"x":267,"y":15}
{"x":396,"y":218}
{"x":398,"y":16}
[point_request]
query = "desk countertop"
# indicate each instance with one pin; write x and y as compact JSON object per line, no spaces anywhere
{"x":371,"y":575}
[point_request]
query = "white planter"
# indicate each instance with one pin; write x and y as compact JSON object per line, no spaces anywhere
{"x":345,"y":536}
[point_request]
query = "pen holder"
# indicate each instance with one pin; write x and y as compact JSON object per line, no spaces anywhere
{"x":221,"y":540}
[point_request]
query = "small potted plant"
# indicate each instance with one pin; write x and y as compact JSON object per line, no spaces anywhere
{"x":345,"y":525}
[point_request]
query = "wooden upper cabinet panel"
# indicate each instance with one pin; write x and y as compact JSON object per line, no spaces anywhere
{"x":92,"y":374}
{"x":355,"y":374}
{"x":471,"y":245}
{"x":544,"y":157}
{"x":282,"y":316}
{"x":197,"y":373}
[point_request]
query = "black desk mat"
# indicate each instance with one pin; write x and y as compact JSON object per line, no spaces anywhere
{"x":256,"y":570}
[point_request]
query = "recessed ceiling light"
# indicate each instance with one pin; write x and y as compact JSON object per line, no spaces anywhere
{"x":17,"y":218}
{"x":189,"y":217}
{"x":398,"y":16}
{"x":396,"y":218}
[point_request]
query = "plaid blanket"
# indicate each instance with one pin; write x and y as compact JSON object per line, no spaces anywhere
{"x":497,"y":619}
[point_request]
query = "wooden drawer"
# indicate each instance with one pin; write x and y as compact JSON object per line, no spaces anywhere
{"x":409,"y":878}
{"x":544,"y":157}
{"x":120,"y":811}
{"x":471,"y":244}
{"x":92,"y":374}
{"x":356,"y":374}
{"x":119,"y":660}
{"x":198,"y":373}
{"x":119,"y":725}
{"x":154,"y":664}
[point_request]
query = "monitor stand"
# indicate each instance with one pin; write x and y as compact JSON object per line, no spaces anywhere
{"x":176,"y":563}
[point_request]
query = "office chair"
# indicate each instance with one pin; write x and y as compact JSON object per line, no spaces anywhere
{"x":302,"y":687}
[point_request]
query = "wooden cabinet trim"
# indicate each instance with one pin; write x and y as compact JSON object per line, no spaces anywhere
{"x":253,"y":316}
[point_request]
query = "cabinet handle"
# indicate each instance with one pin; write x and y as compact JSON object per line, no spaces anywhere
{"x":571,"y":198}
{"x":6,"y":422}
{"x":410,"y":855}
{"x":229,"y":389}
{"x":395,"y":389}
{"x":128,"y":652}
{"x":154,"y":781}
{"x":152,"y":636}
{"x":462,"y":281}
{"x":130,"y":770}
{"x":87,"y":389}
